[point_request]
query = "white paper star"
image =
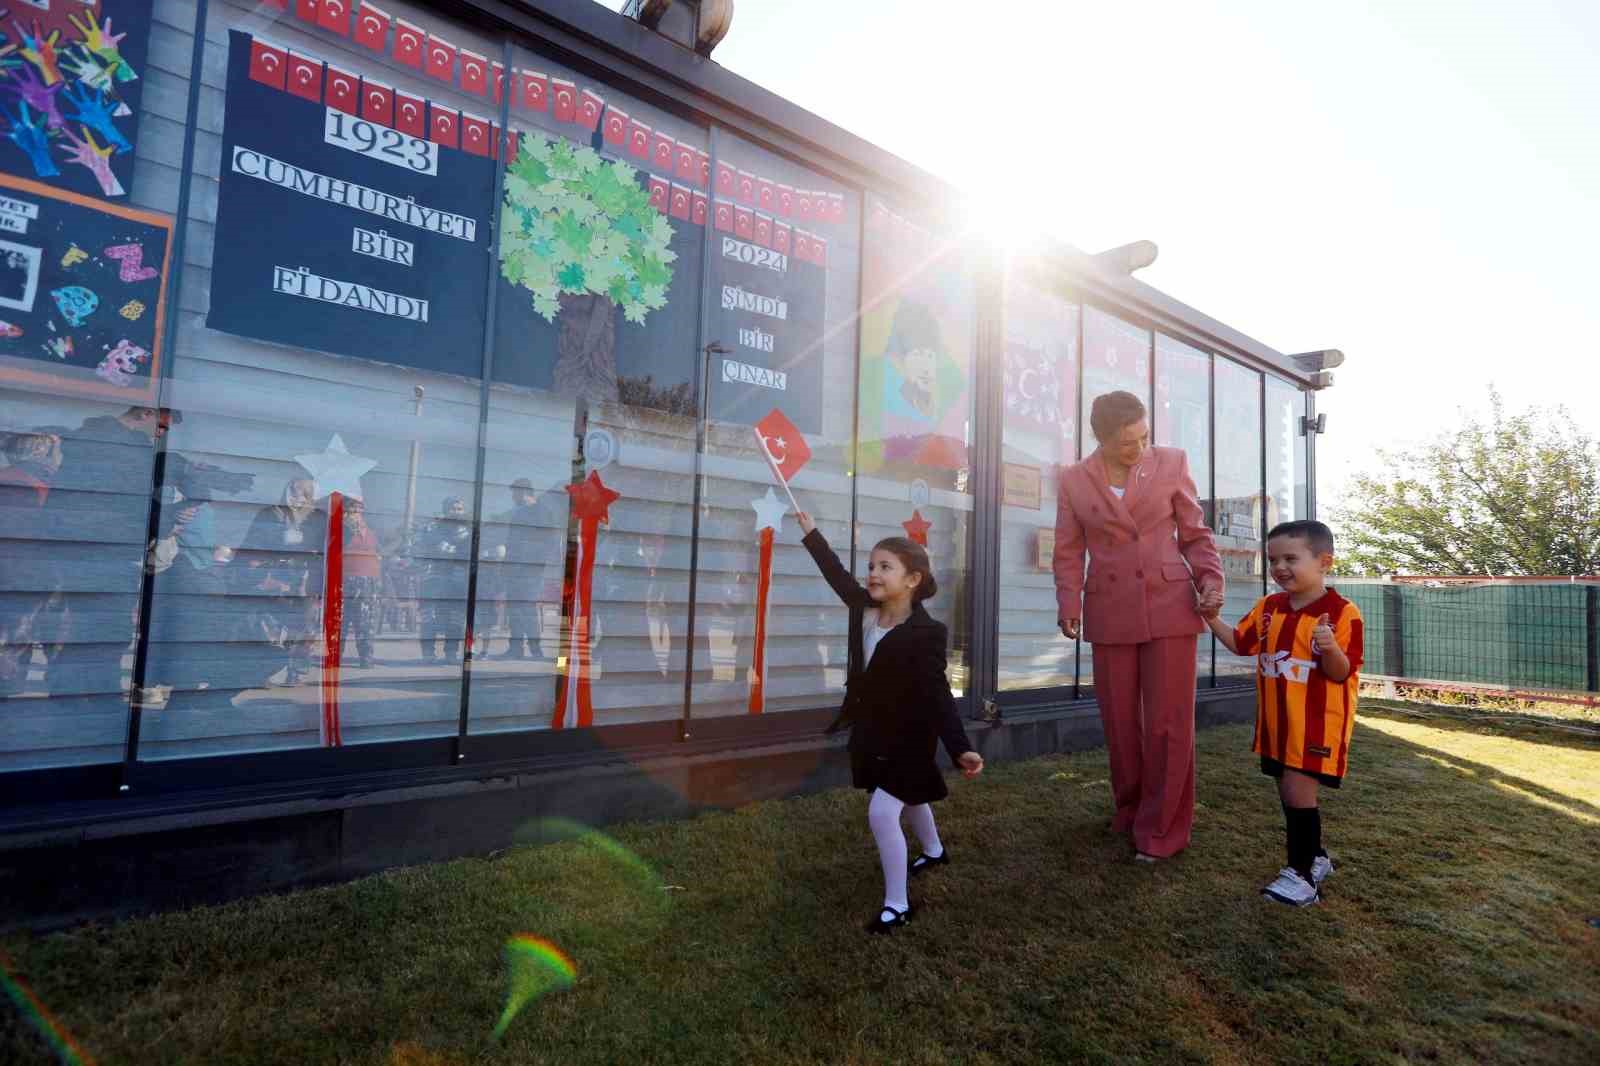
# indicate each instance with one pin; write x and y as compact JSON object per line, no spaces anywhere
{"x":335,"y":470}
{"x":770,"y":511}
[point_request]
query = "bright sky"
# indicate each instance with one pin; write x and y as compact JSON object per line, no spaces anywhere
{"x":1415,"y":182}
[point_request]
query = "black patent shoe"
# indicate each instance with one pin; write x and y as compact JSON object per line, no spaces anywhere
{"x":880,"y":924}
{"x":927,"y":862}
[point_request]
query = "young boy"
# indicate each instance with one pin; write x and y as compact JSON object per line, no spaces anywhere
{"x":1307,"y":643}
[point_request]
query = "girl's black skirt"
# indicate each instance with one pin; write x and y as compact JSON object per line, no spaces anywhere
{"x":909,"y":779}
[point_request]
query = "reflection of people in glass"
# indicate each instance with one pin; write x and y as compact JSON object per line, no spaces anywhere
{"x":363,"y":581}
{"x":279,"y":565}
{"x":29,"y":593}
{"x":651,"y":548}
{"x":445,"y":546}
{"x":523,"y":541}
{"x":1133,"y":512}
{"x":911,"y":366}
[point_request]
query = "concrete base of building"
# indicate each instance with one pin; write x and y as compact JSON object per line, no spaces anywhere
{"x":51,"y":878}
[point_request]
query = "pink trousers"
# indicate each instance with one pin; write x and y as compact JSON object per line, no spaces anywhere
{"x":1146,"y":697}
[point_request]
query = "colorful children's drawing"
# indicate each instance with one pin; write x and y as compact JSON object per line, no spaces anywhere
{"x":121,"y":364}
{"x":70,"y":91}
{"x":75,"y":303}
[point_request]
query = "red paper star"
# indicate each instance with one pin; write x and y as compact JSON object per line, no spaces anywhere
{"x":917,"y":528}
{"x":591,"y":498}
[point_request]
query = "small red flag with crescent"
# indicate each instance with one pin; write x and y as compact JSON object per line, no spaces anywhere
{"x":785,"y":446}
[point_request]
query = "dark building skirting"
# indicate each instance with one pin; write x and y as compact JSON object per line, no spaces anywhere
{"x":116,"y":869}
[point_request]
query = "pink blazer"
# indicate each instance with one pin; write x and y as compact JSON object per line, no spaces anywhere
{"x":1147,"y":552}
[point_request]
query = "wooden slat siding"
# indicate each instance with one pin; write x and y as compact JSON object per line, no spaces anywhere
{"x":250,"y":407}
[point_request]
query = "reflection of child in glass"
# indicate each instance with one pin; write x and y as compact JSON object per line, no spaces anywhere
{"x":910,"y":376}
{"x":1307,"y":641}
{"x":899,"y":705}
{"x":363,"y":580}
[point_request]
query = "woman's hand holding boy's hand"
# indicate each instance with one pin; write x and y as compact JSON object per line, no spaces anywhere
{"x":806,"y":524}
{"x":971,"y":764}
{"x":1210,"y":602}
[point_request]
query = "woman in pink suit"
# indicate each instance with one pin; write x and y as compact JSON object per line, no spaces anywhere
{"x":1132,"y":510}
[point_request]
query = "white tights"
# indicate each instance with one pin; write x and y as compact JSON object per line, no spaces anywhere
{"x":883,"y":816}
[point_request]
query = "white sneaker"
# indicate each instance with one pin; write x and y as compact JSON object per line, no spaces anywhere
{"x":1289,"y":887}
{"x":1321,"y":867}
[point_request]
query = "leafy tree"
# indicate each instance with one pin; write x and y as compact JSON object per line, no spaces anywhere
{"x":580,"y":234}
{"x":1515,"y":494}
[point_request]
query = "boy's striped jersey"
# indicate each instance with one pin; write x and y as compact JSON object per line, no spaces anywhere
{"x":1303,"y":720}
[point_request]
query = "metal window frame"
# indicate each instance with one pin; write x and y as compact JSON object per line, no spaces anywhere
{"x":597,"y":42}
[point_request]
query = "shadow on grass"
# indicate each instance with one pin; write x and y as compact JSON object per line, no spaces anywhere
{"x":1454,"y":929}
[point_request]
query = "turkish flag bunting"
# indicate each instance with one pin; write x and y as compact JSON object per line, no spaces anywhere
{"x":835,"y":207}
{"x":377,"y":103}
{"x":766,"y":195}
{"x":702,"y":164}
{"x":474,"y":73}
{"x":819,"y":250}
{"x":803,"y":209}
{"x":724,"y":215}
{"x":745,"y":190}
{"x":372,"y":26}
{"x":344,"y":90}
{"x":786,"y":448}
{"x":498,"y":79}
{"x":410,"y":114}
{"x":334,"y":15}
{"x":564,"y":95}
{"x":590,"y":107}
{"x":409,"y":42}
{"x":786,"y":201}
{"x":615,"y":128}
{"x":697,"y":209}
{"x":441,"y":62}
{"x":659,"y":193}
{"x":512,"y":139}
{"x":533,"y":90}
{"x":305,"y":77}
{"x":661,"y":147}
{"x":474,"y":134}
{"x":638,"y":139}
{"x":744,"y":222}
{"x":444,"y":126}
{"x":681,"y":200}
{"x":763,"y":230}
{"x":306,"y":10}
{"x":684,"y":166}
{"x":802,"y":245}
{"x":727,"y":179}
{"x":268,"y":62}
{"x":780,"y":237}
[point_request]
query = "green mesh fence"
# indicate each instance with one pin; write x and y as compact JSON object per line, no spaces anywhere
{"x":1542,"y":635}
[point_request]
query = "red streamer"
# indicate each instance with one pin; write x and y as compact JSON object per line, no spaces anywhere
{"x":332,"y":620}
{"x":758,"y":667}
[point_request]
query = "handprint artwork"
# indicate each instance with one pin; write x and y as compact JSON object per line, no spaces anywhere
{"x":69,"y":92}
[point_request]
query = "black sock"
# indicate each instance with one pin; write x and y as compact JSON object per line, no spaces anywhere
{"x":1304,"y":825}
{"x":1315,"y":822}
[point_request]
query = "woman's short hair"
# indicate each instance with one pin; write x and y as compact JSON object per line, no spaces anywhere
{"x":1112,"y":412}
{"x":914,"y":557}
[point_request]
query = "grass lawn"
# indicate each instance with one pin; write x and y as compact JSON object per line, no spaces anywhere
{"x":1458,"y":928}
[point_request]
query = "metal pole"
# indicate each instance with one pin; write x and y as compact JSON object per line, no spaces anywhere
{"x":416,"y":461}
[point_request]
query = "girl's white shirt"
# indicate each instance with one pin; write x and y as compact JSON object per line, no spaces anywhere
{"x":871,"y":633}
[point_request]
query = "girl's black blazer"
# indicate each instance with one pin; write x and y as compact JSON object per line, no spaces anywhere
{"x":900,"y":705}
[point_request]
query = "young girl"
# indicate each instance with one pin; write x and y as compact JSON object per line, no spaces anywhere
{"x":898,"y":702}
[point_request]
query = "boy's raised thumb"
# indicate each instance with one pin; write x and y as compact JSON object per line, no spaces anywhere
{"x":1323,"y":621}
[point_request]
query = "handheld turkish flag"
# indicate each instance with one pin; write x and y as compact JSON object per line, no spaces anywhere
{"x":784,"y":447}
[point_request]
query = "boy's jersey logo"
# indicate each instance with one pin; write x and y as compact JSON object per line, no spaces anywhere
{"x":1279,"y":664}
